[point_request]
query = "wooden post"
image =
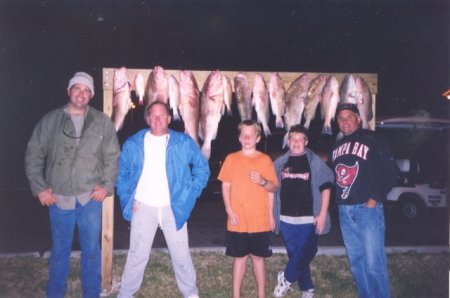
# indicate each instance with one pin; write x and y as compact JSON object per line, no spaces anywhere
{"x":107,"y":217}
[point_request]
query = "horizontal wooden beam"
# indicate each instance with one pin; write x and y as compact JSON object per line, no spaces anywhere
{"x":201,"y":75}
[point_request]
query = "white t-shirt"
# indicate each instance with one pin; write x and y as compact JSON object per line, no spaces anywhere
{"x":153,"y":187}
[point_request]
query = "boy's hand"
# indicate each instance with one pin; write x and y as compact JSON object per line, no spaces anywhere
{"x":233,"y":218}
{"x":319,"y":222}
{"x":272,"y":223}
{"x":256,"y":177}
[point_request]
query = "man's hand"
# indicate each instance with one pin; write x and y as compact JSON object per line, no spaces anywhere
{"x":46,"y":197}
{"x":371,"y":203}
{"x":99,"y":194}
{"x":319,"y":222}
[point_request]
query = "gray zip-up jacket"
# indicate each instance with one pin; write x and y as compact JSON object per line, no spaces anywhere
{"x":321,"y":177}
{"x":53,"y":160}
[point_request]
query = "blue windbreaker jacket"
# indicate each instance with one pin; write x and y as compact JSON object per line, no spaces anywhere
{"x":186,"y":167}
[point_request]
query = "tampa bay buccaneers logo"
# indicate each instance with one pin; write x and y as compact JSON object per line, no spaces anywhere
{"x":345,"y":177}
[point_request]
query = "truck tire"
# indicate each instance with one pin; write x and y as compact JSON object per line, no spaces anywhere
{"x":411,"y":208}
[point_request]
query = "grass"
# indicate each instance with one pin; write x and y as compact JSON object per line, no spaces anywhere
{"x":411,"y":275}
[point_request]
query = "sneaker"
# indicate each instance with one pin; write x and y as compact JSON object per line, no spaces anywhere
{"x":194,"y":296}
{"x":283,"y":285}
{"x":308,"y":294}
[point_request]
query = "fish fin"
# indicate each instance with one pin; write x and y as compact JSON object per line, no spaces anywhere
{"x":193,"y":103}
{"x":200,"y":132}
{"x":360,"y":100}
{"x":285,"y":140}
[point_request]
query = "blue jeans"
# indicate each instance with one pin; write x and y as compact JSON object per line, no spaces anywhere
{"x":301,"y":246}
{"x":363,"y":231}
{"x":88,"y":219}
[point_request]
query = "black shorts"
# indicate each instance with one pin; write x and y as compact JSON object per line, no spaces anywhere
{"x":239,"y":245}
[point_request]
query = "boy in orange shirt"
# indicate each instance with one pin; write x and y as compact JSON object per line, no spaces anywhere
{"x":248,"y":183}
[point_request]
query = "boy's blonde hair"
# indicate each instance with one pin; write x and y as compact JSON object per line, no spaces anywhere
{"x":250,"y":123}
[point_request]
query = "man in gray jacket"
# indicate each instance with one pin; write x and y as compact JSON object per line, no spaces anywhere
{"x":71,"y":163}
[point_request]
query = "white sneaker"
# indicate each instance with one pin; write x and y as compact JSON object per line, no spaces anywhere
{"x":283,"y":285}
{"x":308,"y":294}
{"x":194,"y":296}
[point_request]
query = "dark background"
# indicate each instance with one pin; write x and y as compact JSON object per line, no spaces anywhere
{"x":43,"y":43}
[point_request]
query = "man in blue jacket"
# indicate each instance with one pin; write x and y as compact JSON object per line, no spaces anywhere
{"x":161,"y":174}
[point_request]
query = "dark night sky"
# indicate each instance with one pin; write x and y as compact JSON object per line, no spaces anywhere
{"x":43,"y":43}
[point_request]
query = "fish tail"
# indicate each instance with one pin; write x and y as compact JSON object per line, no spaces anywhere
{"x":306,"y":125}
{"x":279,"y":123}
{"x":206,"y":151}
{"x":266,"y":129}
{"x":176,"y":115}
{"x":327,"y":129}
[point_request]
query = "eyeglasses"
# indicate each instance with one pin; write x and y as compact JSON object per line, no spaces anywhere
{"x":69,"y":130}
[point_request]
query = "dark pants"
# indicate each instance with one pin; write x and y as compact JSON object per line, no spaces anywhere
{"x":301,"y":245}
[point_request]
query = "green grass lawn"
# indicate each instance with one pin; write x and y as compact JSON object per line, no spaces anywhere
{"x":411,"y":275}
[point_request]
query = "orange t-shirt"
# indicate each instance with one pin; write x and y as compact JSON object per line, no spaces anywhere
{"x":249,"y":200}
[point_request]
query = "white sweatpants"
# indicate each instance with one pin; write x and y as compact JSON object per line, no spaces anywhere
{"x":144,"y":223}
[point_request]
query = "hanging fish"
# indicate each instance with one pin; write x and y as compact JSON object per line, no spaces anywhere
{"x":277,"y":93}
{"x":243,"y":92}
{"x":121,"y":97}
{"x":313,"y":97}
{"x":261,"y":102}
{"x":210,"y":113}
{"x":189,"y":103}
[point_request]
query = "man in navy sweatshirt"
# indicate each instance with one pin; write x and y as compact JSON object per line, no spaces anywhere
{"x":365,"y":172}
